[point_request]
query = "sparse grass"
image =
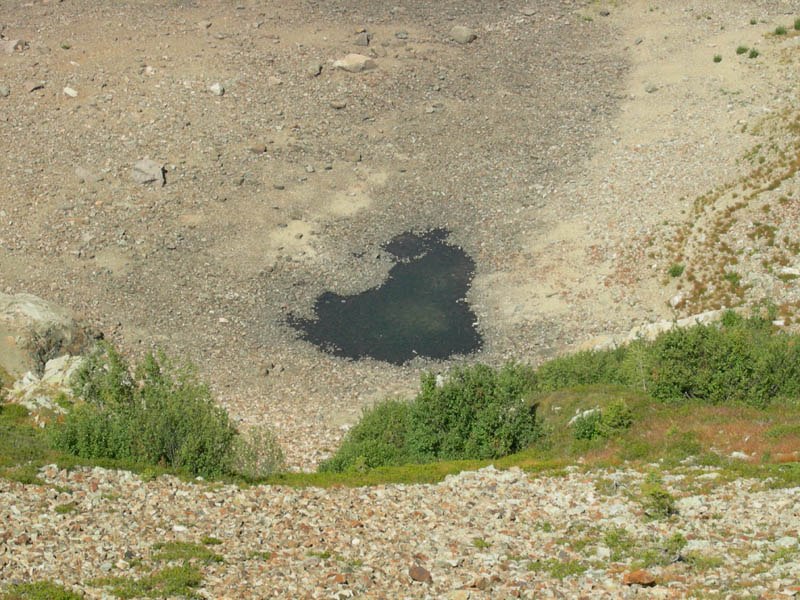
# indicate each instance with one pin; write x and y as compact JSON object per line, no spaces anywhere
{"x":171,"y":582}
{"x":797,"y":24}
{"x":184,"y":551}
{"x":260,"y":555}
{"x":780,"y":30}
{"x":557,"y":569}
{"x":41,"y":590}
{"x":753,"y":53}
{"x":63,"y":509}
{"x":481,"y":543}
{"x":210,"y":541}
{"x":742,"y":49}
{"x":717,"y":58}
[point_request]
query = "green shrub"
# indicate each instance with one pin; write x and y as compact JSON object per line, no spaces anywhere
{"x":797,"y":24}
{"x":159,"y":415}
{"x":613,"y":419}
{"x":742,"y":361}
{"x":741,"y":49}
{"x":378,"y":439}
{"x":588,"y":427}
{"x":753,"y":53}
{"x":717,"y":58}
{"x":658,"y":503}
{"x":676,"y":269}
{"x":478,"y":412}
{"x":780,"y":30}
{"x":583,"y":368}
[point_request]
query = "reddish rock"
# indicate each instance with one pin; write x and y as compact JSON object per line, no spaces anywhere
{"x":639,"y":577}
{"x":417,"y":573}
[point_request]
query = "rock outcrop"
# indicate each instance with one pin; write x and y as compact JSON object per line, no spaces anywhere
{"x":34,"y":331}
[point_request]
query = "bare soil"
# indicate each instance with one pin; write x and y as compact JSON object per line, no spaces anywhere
{"x":563,"y":148}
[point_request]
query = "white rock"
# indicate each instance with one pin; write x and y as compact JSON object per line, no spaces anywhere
{"x":462,"y":35}
{"x":217,"y":89}
{"x":148,"y":171}
{"x":355,"y":63}
{"x":786,"y":542}
{"x":68,"y":91}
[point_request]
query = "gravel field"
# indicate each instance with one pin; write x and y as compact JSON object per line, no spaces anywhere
{"x":485,"y":534}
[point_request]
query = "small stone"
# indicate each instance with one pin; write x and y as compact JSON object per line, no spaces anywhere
{"x":122,"y":565}
{"x":352,"y":156}
{"x":418,"y":573}
{"x":68,"y":91}
{"x":34,"y":85}
{"x":217,"y":89}
{"x":650,"y":88}
{"x":401,"y":35}
{"x":604,"y":13}
{"x":739,"y":455}
{"x":791,"y":271}
{"x":363,"y":39}
{"x":310,"y":168}
{"x":462,"y":35}
{"x":83,"y":174}
{"x":258,"y":148}
{"x":338,"y":104}
{"x":10,"y":46}
{"x":203,"y":24}
{"x":148,"y":171}
{"x":528,"y":11}
{"x":639,"y":577}
{"x":786,"y":542}
{"x":106,"y":566}
{"x":314,"y":69}
{"x":278,"y":186}
{"x":355,"y":63}
{"x":4,"y":91}
{"x":272,"y":80}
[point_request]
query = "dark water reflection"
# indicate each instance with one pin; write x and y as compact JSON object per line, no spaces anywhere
{"x":420,"y":310}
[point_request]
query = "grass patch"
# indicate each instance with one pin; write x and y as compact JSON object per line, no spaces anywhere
{"x":676,"y":269}
{"x":184,"y":551}
{"x":174,"y":581}
{"x":557,"y":569}
{"x":742,"y":49}
{"x":64,"y":509}
{"x":41,"y":590}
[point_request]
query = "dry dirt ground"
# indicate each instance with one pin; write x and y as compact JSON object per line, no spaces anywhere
{"x":564,"y":149}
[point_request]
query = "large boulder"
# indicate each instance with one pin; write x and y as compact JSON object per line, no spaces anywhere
{"x":34,"y":331}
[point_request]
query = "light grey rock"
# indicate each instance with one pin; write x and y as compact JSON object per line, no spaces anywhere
{"x":83,"y":174}
{"x":786,"y":542}
{"x":363,"y":39}
{"x":4,"y":91}
{"x":34,"y":331}
{"x":355,"y":63}
{"x":217,"y":89}
{"x":148,"y":171}
{"x":698,"y":545}
{"x":462,"y":35}
{"x":68,"y":91}
{"x":11,"y":46}
{"x":314,"y":69}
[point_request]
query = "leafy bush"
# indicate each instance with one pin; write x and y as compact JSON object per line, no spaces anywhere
{"x":615,"y":418}
{"x":582,"y":368}
{"x":478,"y":412}
{"x":159,"y":415}
{"x":378,"y":439}
{"x":742,"y":361}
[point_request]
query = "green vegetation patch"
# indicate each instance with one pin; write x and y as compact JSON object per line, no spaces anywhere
{"x":476,"y":413}
{"x":41,"y":590}
{"x":175,"y":581}
{"x":184,"y":551}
